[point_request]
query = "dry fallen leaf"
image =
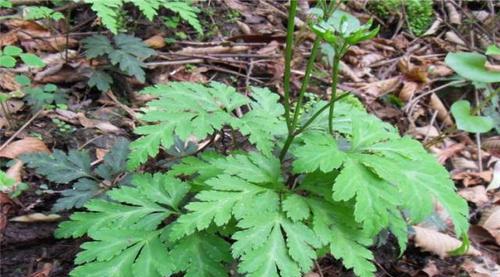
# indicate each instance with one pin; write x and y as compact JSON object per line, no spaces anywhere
{"x":439,"y":243}
{"x":104,"y":126}
{"x":431,"y":269}
{"x":443,"y":114}
{"x":381,"y":88}
{"x":408,"y":90}
{"x":23,"y":146}
{"x":155,"y":42}
{"x":212,"y":50}
{"x":14,"y":172}
{"x":490,"y":220}
{"x":495,"y":180}
{"x":482,"y":269}
{"x":36,"y":217}
{"x":476,"y":195}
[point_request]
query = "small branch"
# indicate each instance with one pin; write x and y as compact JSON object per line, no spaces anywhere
{"x":20,"y":130}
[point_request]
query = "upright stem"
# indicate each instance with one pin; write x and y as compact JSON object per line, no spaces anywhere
{"x":335,"y":80}
{"x":292,"y":11}
{"x":305,"y":81}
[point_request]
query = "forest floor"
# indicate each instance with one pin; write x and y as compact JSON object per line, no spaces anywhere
{"x":401,"y":78}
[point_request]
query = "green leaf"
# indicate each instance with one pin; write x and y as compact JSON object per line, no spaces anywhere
{"x":471,"y":66}
{"x":335,"y":227}
{"x":263,"y":122}
{"x":375,"y":198}
{"x":154,"y":198}
{"x":97,"y":45}
{"x":228,"y":196}
{"x":32,"y":60}
{"x":320,"y":151}
{"x":296,"y":207}
{"x":186,"y":12}
{"x":128,"y":64}
{"x":12,"y":50}
{"x":264,"y":250}
{"x":34,"y":13}
{"x":253,"y":167}
{"x":59,"y":167}
{"x":134,"y":253}
{"x":200,"y":255}
{"x":101,"y":80}
{"x":461,"y":111}
{"x":5,"y":181}
{"x":183,"y":110}
{"x":23,"y":80}
{"x":108,"y":11}
{"x":133,"y":46}
{"x":493,"y":50}
{"x":7,"y":61}
{"x":82,"y":191}
{"x":115,"y":160}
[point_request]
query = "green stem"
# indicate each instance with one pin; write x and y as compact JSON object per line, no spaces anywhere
{"x":297,"y":132}
{"x":305,"y":82}
{"x":311,"y":120}
{"x":292,"y":11}
{"x":335,"y":80}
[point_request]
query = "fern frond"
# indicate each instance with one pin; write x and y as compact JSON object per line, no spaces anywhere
{"x":186,"y":12}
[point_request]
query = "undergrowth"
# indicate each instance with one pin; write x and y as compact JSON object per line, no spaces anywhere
{"x":322,"y":178}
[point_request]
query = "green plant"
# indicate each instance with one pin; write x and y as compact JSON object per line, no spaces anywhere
{"x":471,"y":67}
{"x":126,"y":52}
{"x":75,"y":167}
{"x":41,"y":97}
{"x":325,"y":177}
{"x":109,"y":11}
{"x":9,"y":54}
{"x":35,"y":13}
{"x":10,"y":186}
{"x":419,"y":14}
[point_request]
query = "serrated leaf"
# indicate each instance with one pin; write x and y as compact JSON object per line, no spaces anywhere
{"x":97,"y":45}
{"x":263,"y":122}
{"x":186,"y":12}
{"x":375,"y":198}
{"x":461,"y":111}
{"x":140,"y":207}
{"x":229,"y":196}
{"x":320,"y":151}
{"x":335,"y":227}
{"x":183,"y":110}
{"x":296,"y":207}
{"x":101,"y":80}
{"x":201,"y":254}
{"x":128,"y":64}
{"x":59,"y":167}
{"x":108,"y":12}
{"x":110,"y":244}
{"x":264,"y":251}
{"x":82,"y":191}
{"x":114,"y":162}
{"x":253,"y":167}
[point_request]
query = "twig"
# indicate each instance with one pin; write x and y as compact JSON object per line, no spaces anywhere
{"x":319,"y":269}
{"x":173,"y":62}
{"x":20,"y":130}
{"x":213,"y":67}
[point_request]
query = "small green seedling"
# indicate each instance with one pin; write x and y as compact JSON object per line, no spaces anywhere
{"x":9,"y":55}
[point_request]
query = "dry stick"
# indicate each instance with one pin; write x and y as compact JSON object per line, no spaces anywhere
{"x":409,"y":107}
{"x":20,"y":130}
